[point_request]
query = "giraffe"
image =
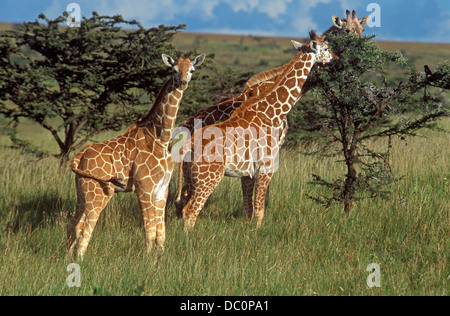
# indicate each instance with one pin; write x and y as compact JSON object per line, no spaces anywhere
{"x":351,"y":24}
{"x":258,"y":84}
{"x":251,"y":158}
{"x":138,"y":160}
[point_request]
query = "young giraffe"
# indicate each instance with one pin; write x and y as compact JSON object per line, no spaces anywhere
{"x":138,"y":160}
{"x":248,"y":157}
{"x":258,"y":84}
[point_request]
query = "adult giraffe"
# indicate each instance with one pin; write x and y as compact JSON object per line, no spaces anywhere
{"x":138,"y":160}
{"x":256,"y":85}
{"x":248,"y":157}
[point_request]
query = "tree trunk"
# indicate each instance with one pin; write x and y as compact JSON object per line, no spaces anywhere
{"x":349,"y":189}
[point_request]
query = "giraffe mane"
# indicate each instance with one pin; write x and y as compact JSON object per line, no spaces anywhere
{"x":312,"y":34}
{"x":263,"y":76}
{"x":157,"y":101}
{"x":283,"y":70}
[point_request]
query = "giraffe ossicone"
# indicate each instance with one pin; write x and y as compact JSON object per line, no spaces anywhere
{"x":139,"y":160}
{"x":351,"y":24}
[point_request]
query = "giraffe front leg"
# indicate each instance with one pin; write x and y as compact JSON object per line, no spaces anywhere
{"x":160,"y":210}
{"x":200,"y":186}
{"x":197,"y":201}
{"x":262,"y":183}
{"x":247,"y":185}
{"x":148,"y":211}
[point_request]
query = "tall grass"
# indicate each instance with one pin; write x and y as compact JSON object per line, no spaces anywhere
{"x":301,"y":249}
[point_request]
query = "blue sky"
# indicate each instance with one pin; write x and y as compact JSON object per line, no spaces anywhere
{"x":400,"y":20}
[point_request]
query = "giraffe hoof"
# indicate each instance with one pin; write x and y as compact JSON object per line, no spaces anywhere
{"x":160,"y":248}
{"x":188,"y":226}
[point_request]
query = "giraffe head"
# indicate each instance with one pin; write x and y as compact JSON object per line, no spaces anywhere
{"x":319,"y":47}
{"x":351,"y":24}
{"x":183,"y":68}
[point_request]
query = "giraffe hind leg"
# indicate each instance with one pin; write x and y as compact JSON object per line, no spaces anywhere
{"x":96,"y":197}
{"x":75,"y":224}
{"x":248,"y":185}
{"x":262,"y":183}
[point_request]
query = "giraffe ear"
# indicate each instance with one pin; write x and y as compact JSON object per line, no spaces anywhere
{"x":313,"y":46}
{"x":337,"y":22}
{"x":363,"y":21}
{"x":168,"y":60}
{"x":199,"y":60}
{"x":297,"y":45}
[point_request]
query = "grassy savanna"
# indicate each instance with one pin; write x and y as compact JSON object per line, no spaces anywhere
{"x":301,"y":248}
{"x":255,"y":53}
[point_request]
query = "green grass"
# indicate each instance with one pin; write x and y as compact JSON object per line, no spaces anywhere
{"x":301,"y":249}
{"x":263,"y":53}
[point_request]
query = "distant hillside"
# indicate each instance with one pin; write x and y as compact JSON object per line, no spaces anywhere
{"x":259,"y":53}
{"x":7,"y":26}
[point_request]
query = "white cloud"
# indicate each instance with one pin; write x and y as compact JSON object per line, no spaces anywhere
{"x":273,"y":8}
{"x":157,"y":10}
{"x":296,"y":14}
{"x":141,"y":10}
{"x":148,"y":12}
{"x":292,"y":17}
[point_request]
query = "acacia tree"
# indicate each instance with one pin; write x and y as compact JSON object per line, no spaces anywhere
{"x":92,"y":78}
{"x":354,"y":101}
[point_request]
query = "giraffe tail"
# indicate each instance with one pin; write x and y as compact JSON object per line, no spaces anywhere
{"x":74,"y":165}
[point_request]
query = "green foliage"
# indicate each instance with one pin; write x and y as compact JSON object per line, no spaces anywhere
{"x":354,"y":102}
{"x":212,"y":84}
{"x":81,"y":80}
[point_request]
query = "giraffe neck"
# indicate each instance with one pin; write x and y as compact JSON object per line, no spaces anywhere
{"x":287,"y":90}
{"x":160,"y":121}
